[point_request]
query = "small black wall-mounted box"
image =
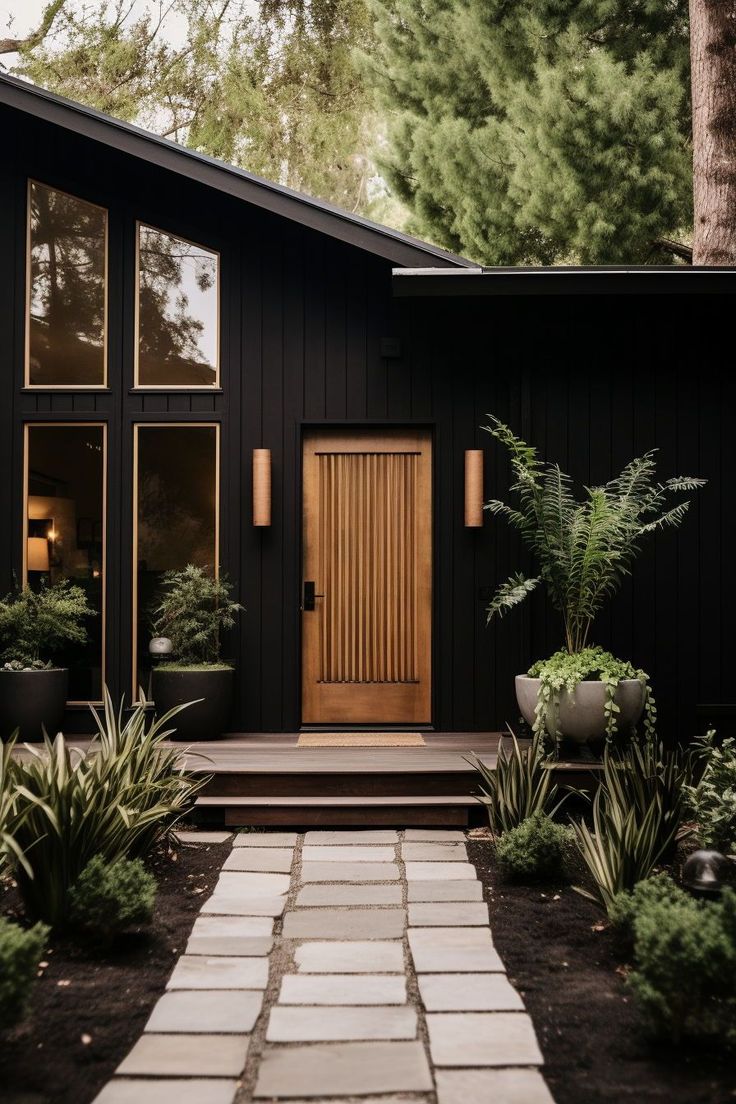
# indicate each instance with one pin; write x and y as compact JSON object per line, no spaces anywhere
{"x":390,"y":348}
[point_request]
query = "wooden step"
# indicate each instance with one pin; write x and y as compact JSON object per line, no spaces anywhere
{"x":384,"y":811}
{"x":368,"y":783}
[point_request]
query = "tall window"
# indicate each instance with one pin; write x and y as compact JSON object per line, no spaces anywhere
{"x":176,"y":516}
{"x":177,"y":311}
{"x":67,"y":294}
{"x":65,"y":533}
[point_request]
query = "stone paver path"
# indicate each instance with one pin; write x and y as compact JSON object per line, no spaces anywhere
{"x":338,"y":966}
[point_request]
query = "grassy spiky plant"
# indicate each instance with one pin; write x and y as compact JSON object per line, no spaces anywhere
{"x":585,"y":547}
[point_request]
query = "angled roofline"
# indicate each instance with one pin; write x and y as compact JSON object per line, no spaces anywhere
{"x":317,"y":214}
{"x":473,"y":282}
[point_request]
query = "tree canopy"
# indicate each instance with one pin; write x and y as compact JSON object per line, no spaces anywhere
{"x":537,"y":131}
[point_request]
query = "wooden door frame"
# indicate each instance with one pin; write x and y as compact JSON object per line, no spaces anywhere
{"x":377,"y":425}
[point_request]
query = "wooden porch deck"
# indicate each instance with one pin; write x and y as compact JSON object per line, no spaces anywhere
{"x":267,"y":780}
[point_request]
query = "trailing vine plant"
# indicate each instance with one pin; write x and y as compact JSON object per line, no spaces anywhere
{"x":584,"y":547}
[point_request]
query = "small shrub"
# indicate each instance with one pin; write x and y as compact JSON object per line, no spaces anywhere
{"x":520,"y":785}
{"x":36,"y":623}
{"x":194,"y":609}
{"x":109,"y":898}
{"x":713,"y":800}
{"x":536,"y":849}
{"x":684,"y":979}
{"x":20,"y":954}
{"x":627,"y":905}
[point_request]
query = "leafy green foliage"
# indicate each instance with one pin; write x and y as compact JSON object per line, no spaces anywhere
{"x":193,"y":610}
{"x":35,"y":624}
{"x":537,"y":848}
{"x":586,"y":547}
{"x":109,"y":898}
{"x":20,"y":954}
{"x":271,"y":87}
{"x":10,"y":816}
{"x":627,"y":905}
{"x":520,"y":785}
{"x":539,"y":131}
{"x":712,"y":801}
{"x":637,"y":811}
{"x":115,"y":802}
{"x":562,"y":672}
{"x":684,"y":979}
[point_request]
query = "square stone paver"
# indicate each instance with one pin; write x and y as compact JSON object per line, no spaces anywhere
{"x":345,"y":923}
{"x":186,"y":1056}
{"x":499,"y":1086}
{"x":123,"y":1090}
{"x":348,"y":839}
{"x":348,"y":989}
{"x":231,"y":935}
{"x":252,"y":884}
{"x":434,"y":852}
{"x":346,"y":894}
{"x":464,"y":890}
{"x":221,"y":905}
{"x":469,"y":993}
{"x":265,"y":839}
{"x":207,"y":1011}
{"x":433,"y":835}
{"x":351,"y":872}
{"x":348,"y":854}
{"x":274,"y":859}
{"x":350,"y":958}
{"x":439,"y":871}
{"x":350,"y":1069}
{"x":482,"y":1039}
{"x":448,"y":914}
{"x":203,"y":837}
{"x":316,"y":1025}
{"x":202,"y":972}
{"x":453,"y":950}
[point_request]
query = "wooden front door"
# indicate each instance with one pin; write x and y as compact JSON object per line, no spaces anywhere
{"x":366,"y":643}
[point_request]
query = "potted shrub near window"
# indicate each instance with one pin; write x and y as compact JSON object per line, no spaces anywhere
{"x":193,"y":611}
{"x":584,"y":547}
{"x":34,"y":626}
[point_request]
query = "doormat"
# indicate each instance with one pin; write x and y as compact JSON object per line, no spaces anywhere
{"x":360,"y":739}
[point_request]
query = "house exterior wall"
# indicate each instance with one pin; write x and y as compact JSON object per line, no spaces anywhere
{"x":590,"y":381}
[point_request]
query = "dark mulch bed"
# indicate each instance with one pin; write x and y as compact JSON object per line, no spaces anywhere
{"x":106,"y":996}
{"x":594,"y":1045}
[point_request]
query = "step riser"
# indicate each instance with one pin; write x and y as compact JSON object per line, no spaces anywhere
{"x":359,"y":817}
{"x":458,"y":783}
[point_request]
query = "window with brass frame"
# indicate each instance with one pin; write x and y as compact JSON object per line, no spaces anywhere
{"x":176,"y":511}
{"x":65,"y":506}
{"x":177,"y":312}
{"x":66,"y":291}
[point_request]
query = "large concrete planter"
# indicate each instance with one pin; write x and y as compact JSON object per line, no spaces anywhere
{"x":205,"y":720}
{"x":31,"y":701}
{"x":582,"y":716}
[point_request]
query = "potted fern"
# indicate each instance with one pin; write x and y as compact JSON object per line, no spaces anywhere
{"x":34,"y":626}
{"x":193,"y":611}
{"x":584,"y":547}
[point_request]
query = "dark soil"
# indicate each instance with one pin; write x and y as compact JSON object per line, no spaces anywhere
{"x":90,"y":1005}
{"x":570,"y":975}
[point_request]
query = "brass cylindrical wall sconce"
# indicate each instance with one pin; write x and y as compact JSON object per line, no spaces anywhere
{"x":473,"y":488}
{"x":261,"y":486}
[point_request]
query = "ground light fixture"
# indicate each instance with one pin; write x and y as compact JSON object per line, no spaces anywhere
{"x":701,"y":871}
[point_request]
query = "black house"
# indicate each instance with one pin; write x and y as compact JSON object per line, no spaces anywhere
{"x":163,"y":316}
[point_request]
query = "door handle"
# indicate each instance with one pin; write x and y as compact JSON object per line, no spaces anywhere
{"x":308,"y":596}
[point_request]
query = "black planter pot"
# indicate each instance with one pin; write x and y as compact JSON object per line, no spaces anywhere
{"x":31,"y":701}
{"x":207,"y":719}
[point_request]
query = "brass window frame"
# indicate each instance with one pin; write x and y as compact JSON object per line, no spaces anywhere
{"x":137,"y":426}
{"x":81,"y":424}
{"x":204,"y":388}
{"x":104,"y":386}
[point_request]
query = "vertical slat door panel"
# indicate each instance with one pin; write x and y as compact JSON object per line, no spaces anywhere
{"x":367,"y":548}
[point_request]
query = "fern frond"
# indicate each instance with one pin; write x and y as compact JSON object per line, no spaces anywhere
{"x":510,"y":594}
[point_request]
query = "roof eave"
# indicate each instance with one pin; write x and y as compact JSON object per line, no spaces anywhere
{"x":637,"y":280}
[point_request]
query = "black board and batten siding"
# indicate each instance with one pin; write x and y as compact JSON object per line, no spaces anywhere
{"x":590,"y":380}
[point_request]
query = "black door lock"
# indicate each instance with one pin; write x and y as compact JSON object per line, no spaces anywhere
{"x":309,"y":596}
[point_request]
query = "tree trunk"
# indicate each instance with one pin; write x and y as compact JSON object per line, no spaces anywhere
{"x":713,"y":64}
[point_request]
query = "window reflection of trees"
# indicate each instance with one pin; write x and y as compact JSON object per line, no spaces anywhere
{"x":177,"y":311}
{"x":67,"y":289}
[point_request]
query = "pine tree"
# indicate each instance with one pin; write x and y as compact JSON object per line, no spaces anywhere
{"x":271,"y":87}
{"x":538,"y":131}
